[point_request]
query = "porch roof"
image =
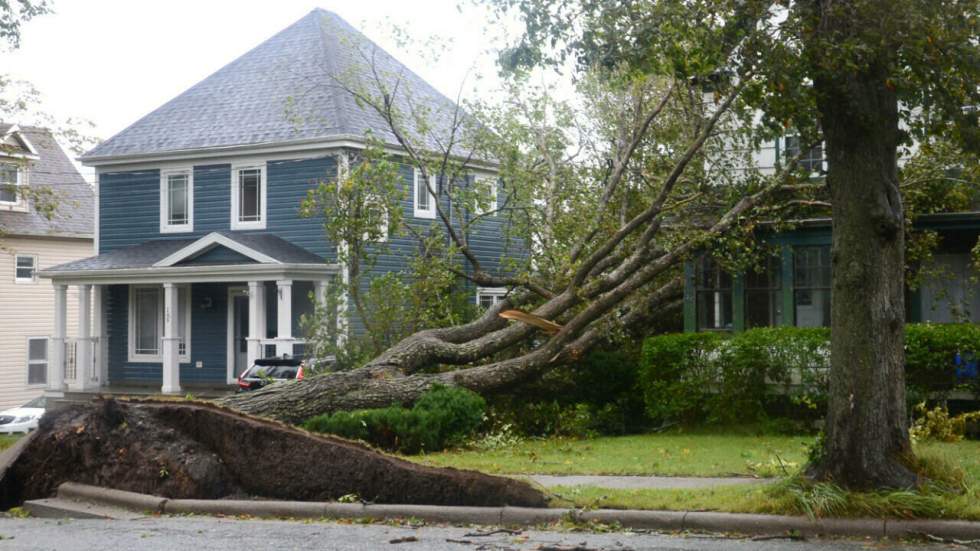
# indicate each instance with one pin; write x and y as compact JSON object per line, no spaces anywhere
{"x":246,"y":257}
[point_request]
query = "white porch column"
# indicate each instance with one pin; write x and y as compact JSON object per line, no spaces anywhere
{"x":284,"y":312}
{"x":56,"y":349}
{"x":256,"y":321}
{"x":83,"y":354}
{"x":171,"y":340}
{"x":100,"y":366}
{"x":320,"y":292}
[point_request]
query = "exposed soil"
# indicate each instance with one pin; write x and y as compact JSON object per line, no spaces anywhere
{"x":196,"y":450}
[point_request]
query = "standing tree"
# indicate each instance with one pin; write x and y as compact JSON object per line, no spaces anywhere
{"x":866,"y":76}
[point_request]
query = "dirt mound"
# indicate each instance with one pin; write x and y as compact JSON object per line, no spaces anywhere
{"x":182,"y":450}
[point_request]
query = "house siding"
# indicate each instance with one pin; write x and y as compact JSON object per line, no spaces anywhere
{"x":28,"y":309}
{"x":129,"y":204}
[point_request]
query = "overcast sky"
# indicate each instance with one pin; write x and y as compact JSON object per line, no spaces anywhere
{"x":113,"y":61}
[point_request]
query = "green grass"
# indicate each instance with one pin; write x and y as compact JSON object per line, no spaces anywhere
{"x":7,"y":440}
{"x":739,"y":452}
{"x":957,"y":465}
{"x":729,"y":452}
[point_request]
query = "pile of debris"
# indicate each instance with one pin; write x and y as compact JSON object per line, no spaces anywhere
{"x":195,"y":450}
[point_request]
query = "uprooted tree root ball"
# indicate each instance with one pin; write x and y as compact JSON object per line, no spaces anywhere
{"x":196,"y":450}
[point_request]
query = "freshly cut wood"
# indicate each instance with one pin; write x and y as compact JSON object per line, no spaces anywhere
{"x":549,"y":327}
{"x":201,"y":451}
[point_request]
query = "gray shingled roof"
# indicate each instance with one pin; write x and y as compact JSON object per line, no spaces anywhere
{"x":285,"y":90}
{"x":54,"y":170}
{"x":148,"y":253}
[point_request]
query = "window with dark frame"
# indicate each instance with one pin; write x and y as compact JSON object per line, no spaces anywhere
{"x":811,"y":286}
{"x":178,"y":213}
{"x":713,"y":296}
{"x":763,"y":294}
{"x":25,"y":269}
{"x":250,"y":195}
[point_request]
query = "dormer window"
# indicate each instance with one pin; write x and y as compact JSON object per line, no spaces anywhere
{"x":10,"y":178}
{"x":177,"y":201}
{"x":248,"y":197}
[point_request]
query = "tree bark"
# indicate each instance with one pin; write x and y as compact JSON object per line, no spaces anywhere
{"x":866,"y":441}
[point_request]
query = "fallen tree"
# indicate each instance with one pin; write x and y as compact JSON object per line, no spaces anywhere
{"x":608,"y":232}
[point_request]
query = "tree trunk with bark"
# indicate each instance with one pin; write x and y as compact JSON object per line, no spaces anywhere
{"x":866,"y":436}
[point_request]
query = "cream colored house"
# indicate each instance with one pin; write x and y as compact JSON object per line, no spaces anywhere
{"x":30,"y":242}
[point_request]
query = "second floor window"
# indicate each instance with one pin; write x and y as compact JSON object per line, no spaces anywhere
{"x":486,"y":195}
{"x":9,"y":180}
{"x":177,"y":201}
{"x":25,"y":270}
{"x":811,"y":161}
{"x":248,"y":198}
{"x":425,"y":201}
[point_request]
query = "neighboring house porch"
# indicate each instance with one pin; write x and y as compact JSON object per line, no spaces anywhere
{"x":166,"y":313}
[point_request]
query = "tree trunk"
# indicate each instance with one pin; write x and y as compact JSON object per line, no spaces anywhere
{"x":866,"y":437}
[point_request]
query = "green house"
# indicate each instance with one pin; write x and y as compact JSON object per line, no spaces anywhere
{"x":795,"y":285}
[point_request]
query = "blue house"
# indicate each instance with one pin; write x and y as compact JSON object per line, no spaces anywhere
{"x":202,"y":262}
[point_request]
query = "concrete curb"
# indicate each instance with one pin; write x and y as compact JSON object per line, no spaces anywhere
{"x":749,"y":524}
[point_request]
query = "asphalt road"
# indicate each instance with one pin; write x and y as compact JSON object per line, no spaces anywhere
{"x":203,"y":533}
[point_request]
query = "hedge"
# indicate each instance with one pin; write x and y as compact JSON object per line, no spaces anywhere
{"x":714,"y":377}
{"x":442,"y":417}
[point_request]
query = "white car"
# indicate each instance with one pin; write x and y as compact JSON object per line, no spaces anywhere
{"x":23,"y":419}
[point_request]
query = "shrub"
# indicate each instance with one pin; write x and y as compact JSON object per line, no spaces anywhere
{"x":713,"y":377}
{"x":721,"y":378}
{"x":442,"y":417}
{"x":596,"y":395}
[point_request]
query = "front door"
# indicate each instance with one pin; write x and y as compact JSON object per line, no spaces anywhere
{"x":237,"y":332}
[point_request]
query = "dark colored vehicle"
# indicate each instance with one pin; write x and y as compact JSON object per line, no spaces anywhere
{"x":270,"y":370}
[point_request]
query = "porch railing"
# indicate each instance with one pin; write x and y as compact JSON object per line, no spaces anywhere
{"x":70,"y":367}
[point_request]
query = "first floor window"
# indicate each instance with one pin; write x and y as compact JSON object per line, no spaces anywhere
{"x":811,"y":286}
{"x":147,"y":321}
{"x":487,"y":297}
{"x":763,"y":304}
{"x":9,"y":180}
{"x":25,"y":269}
{"x":37,"y":360}
{"x":713,"y":295}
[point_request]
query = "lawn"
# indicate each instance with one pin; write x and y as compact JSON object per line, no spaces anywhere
{"x":737,"y":452}
{"x":734,"y":452}
{"x":7,"y":440}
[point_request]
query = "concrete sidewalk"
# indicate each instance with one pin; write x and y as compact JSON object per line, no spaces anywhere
{"x":641,"y":482}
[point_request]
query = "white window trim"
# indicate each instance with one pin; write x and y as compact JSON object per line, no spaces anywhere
{"x":165,"y":225}
{"x":385,"y":226}
{"x":235,"y":184}
{"x":24,"y":280}
{"x":157,"y":358}
{"x":419,"y":182}
{"x":498,"y":293}
{"x":491,"y":182}
{"x":47,"y":360}
{"x":784,"y":148}
{"x":19,"y":203}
